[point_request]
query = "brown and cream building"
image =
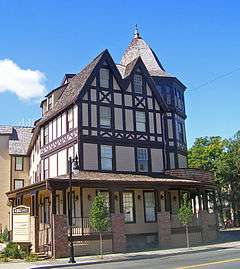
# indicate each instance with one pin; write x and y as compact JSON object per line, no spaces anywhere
{"x":126,"y":124}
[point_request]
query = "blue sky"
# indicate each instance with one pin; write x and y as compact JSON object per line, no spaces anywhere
{"x":195,"y":40}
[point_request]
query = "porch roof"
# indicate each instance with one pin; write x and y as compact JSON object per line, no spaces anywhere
{"x":111,"y":180}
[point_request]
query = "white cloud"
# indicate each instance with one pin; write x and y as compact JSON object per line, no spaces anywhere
{"x":25,"y":83}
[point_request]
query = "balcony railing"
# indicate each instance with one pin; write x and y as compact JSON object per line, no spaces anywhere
{"x":81,"y":226}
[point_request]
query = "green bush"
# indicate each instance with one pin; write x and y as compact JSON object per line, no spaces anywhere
{"x":14,"y":251}
{"x":3,"y":258}
{"x":31,"y":258}
{"x":4,"y":235}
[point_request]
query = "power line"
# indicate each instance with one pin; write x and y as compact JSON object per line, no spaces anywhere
{"x":216,"y":78}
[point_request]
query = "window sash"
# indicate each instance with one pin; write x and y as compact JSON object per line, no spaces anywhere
{"x":137,"y":82}
{"x":106,"y":157}
{"x":46,"y":135}
{"x":104,"y":78}
{"x":45,"y":169}
{"x":18,"y":163}
{"x":140,"y":121}
{"x":70,"y":119}
{"x":150,"y":206}
{"x":18,"y":183}
{"x":128,"y":207}
{"x":142,"y":159}
{"x":105,"y":116}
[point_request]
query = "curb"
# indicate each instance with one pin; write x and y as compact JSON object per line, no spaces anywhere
{"x":126,"y":259}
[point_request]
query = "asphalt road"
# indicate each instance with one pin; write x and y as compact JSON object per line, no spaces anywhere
{"x":214,"y":259}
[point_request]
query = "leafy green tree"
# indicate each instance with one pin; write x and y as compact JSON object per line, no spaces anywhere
{"x":99,"y":218}
{"x":209,"y":153}
{"x":185,"y":215}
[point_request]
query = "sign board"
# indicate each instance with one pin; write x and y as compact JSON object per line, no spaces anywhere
{"x":21,"y":224}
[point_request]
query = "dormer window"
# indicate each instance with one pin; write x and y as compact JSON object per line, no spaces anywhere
{"x":104,"y":78}
{"x":50,"y":102}
{"x":137,"y":83}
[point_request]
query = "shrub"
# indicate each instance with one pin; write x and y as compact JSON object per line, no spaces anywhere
{"x":14,"y":251}
{"x":31,"y":258}
{"x":3,"y":258}
{"x":4,"y":235}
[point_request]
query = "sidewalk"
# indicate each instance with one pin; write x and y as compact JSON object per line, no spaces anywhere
{"x":117,"y":257}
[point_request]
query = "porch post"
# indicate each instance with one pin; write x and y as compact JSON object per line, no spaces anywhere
{"x":164,"y":222}
{"x":119,"y":242}
{"x":59,"y":223}
{"x":199,"y":200}
{"x":205,"y":200}
{"x":34,"y":222}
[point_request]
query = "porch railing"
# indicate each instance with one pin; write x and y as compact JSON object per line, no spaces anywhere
{"x":81,"y":226}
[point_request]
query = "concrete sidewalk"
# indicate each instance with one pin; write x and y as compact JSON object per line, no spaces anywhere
{"x":117,"y":257}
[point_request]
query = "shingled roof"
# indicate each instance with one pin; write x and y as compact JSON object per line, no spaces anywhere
{"x":19,"y":140}
{"x":139,"y":48}
{"x":73,"y":89}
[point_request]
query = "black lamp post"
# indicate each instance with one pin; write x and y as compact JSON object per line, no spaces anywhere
{"x":73,"y":168}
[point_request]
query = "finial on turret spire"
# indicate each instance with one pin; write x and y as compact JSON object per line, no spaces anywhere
{"x":136,"y":32}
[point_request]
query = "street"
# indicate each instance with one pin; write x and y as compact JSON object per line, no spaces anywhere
{"x":215,"y":259}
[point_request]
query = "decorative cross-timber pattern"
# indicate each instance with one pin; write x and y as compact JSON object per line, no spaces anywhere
{"x":60,"y":142}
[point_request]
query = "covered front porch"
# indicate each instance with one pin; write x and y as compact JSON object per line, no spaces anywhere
{"x":143,"y":211}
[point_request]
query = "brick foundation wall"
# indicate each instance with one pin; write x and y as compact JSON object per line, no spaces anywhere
{"x":60,"y":246}
{"x":118,"y":233}
{"x":209,"y":226}
{"x":164,"y":229}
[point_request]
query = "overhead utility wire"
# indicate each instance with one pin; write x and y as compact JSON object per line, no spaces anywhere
{"x":216,"y":78}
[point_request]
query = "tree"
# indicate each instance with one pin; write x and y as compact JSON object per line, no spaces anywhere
{"x":99,"y":218}
{"x":185,"y":215}
{"x":208,"y":153}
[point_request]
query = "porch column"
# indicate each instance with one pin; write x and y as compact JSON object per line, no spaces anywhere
{"x":34,"y":222}
{"x":60,"y":246}
{"x":119,"y":242}
{"x":164,"y":222}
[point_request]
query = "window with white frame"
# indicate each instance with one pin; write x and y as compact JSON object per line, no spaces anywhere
{"x":140,"y":121}
{"x":70,"y":119}
{"x":142,"y":159}
{"x":104,"y":78}
{"x":45,"y":169}
{"x":105,"y":116}
{"x":46,"y":135}
{"x":128,"y":207}
{"x":18,"y":183}
{"x":19,"y":163}
{"x":106,"y":157}
{"x":137,"y":83}
{"x":149,"y":206}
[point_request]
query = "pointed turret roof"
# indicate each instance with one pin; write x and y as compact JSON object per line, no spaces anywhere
{"x":139,"y":48}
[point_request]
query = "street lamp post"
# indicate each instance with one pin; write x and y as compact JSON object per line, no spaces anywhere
{"x":73,"y":168}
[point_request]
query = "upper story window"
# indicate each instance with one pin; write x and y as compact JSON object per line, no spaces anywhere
{"x":70,"y":119}
{"x":105,"y":116}
{"x":168,"y":95}
{"x":45,"y":169}
{"x":179,"y":99}
{"x":46,"y":135}
{"x":142,"y":159}
{"x":181,"y":132}
{"x":19,"y":163}
{"x":18,"y":183}
{"x":137,"y":83}
{"x":140,"y":121}
{"x":50,"y":102}
{"x":106,"y":157}
{"x":104,"y":78}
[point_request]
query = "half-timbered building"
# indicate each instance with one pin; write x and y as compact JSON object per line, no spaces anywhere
{"x":126,"y":124}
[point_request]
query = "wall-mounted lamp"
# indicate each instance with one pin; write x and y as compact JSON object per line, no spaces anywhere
{"x":89,"y":197}
{"x":162,"y":197}
{"x":174,"y":198}
{"x":115,"y":197}
{"x":139,"y":197}
{"x":76,"y":198}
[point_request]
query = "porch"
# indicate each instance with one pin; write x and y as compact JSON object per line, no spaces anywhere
{"x":143,"y":212}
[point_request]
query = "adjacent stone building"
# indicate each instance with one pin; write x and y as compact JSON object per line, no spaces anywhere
{"x":126,"y":124}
